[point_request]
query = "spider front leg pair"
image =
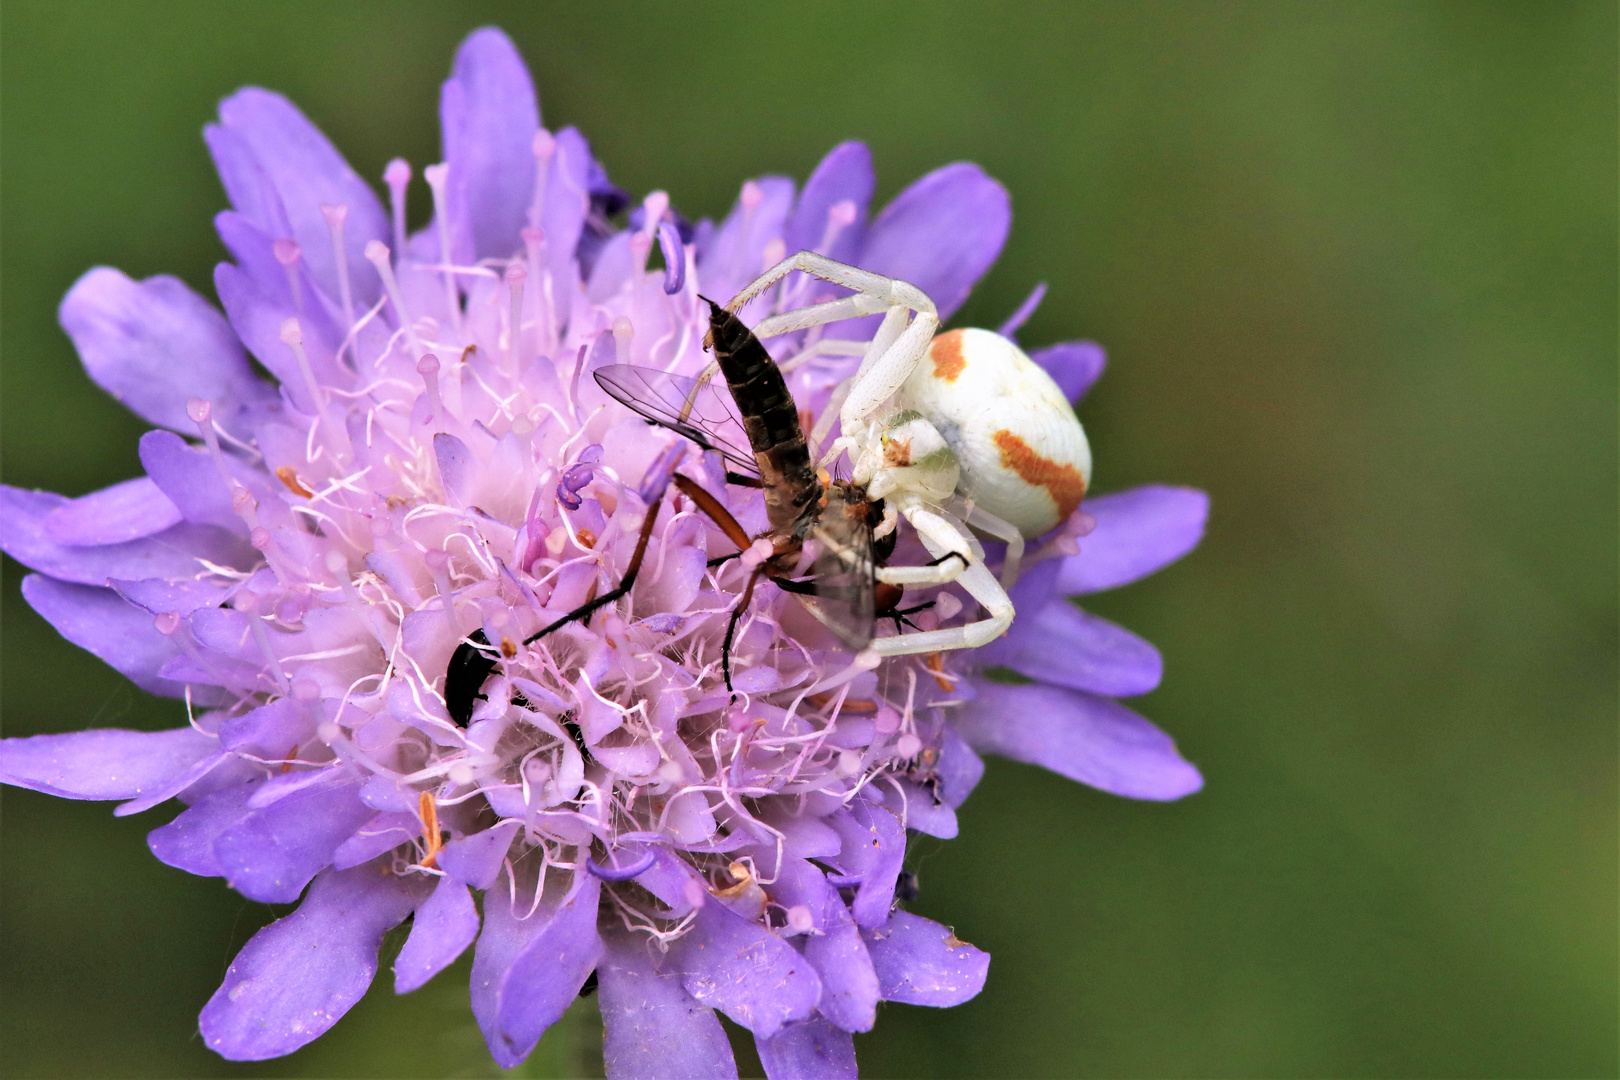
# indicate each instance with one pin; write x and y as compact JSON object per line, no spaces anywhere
{"x":955,"y":560}
{"x":894,"y":351}
{"x":896,"y":453}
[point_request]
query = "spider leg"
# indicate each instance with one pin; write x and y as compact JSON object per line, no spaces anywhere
{"x":981,"y":519}
{"x":942,"y":537}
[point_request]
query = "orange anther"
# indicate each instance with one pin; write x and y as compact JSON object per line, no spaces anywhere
{"x":428,"y":811}
{"x":287,"y":476}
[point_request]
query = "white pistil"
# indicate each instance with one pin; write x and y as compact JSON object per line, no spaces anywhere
{"x":438,"y":177}
{"x":623,"y":331}
{"x":653,"y":208}
{"x":292,"y":335}
{"x":397,"y":176}
{"x":335,"y":216}
{"x":515,"y":276}
{"x":428,"y":368}
{"x":202,"y":414}
{"x":534,"y":248}
{"x":248,"y":604}
{"x":288,"y":253}
{"x":438,"y":564}
{"x":377,"y":255}
{"x":544,"y":147}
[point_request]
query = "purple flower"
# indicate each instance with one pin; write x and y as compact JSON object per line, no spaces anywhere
{"x":302,"y":558}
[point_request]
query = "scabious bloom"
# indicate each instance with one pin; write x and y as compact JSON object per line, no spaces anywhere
{"x":303,"y":556}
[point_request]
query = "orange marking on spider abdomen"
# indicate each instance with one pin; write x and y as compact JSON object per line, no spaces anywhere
{"x":946,"y":353}
{"x":1063,"y":482}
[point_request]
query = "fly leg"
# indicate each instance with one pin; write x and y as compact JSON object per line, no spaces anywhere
{"x":474,"y":659}
{"x":718,"y":514}
{"x":586,"y":609}
{"x":736,"y":616}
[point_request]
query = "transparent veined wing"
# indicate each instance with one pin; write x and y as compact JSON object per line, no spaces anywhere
{"x":702,"y":412}
{"x":839,"y":591}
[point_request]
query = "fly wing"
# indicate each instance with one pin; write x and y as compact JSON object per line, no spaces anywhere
{"x":843,"y":571}
{"x":702,"y":412}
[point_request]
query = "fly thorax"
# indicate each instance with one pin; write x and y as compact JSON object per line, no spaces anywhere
{"x":912,"y":456}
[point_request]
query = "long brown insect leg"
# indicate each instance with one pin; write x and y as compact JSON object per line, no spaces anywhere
{"x":716,"y":513}
{"x":629,"y":579}
{"x":731,"y":627}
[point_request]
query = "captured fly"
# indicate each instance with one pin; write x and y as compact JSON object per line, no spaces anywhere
{"x":762,"y":441}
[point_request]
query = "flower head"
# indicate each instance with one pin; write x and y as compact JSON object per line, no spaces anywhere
{"x":327,"y":566}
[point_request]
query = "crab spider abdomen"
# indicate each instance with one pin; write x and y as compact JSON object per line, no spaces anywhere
{"x":1022,"y":453}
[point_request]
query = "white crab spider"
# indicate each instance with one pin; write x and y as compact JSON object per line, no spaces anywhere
{"x":978,"y":436}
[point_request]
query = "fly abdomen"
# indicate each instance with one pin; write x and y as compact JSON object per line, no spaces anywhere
{"x":770,"y":419}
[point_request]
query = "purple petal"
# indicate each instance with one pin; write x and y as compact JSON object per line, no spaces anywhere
{"x":809,"y":1050}
{"x":874,"y":851}
{"x":458,"y":469}
{"x":384,"y":832}
{"x":745,"y":971}
{"x":562,"y":219}
{"x":920,"y":962}
{"x":126,"y":511}
{"x":1138,"y":532}
{"x":844,"y":175}
{"x":257,"y":319}
{"x":672,"y":880}
{"x":254,"y":250}
{"x":1073,"y":365}
{"x":475,"y":860}
{"x":172,"y":787}
{"x":160,"y":595}
{"x":305,"y":171}
{"x":653,"y":1029}
{"x":1090,"y":739}
{"x":735,"y":255}
{"x":799,"y":883}
{"x":530,"y":966}
{"x":850,"y":990}
{"x":155,"y":344}
{"x":489,"y":117}
{"x":957,"y":770}
{"x":925,"y":814}
{"x":100,"y":621}
{"x":107,"y":763}
{"x":446,"y":923}
{"x":941,"y":233}
{"x":547,"y":975}
{"x":272,"y":853}
{"x":173,"y":553}
{"x":190,"y":479}
{"x":299,"y":975}
{"x":270,"y":731}
{"x":187,"y":842}
{"x":1064,"y":646}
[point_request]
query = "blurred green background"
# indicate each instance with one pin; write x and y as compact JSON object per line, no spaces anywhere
{"x":1355,"y":267}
